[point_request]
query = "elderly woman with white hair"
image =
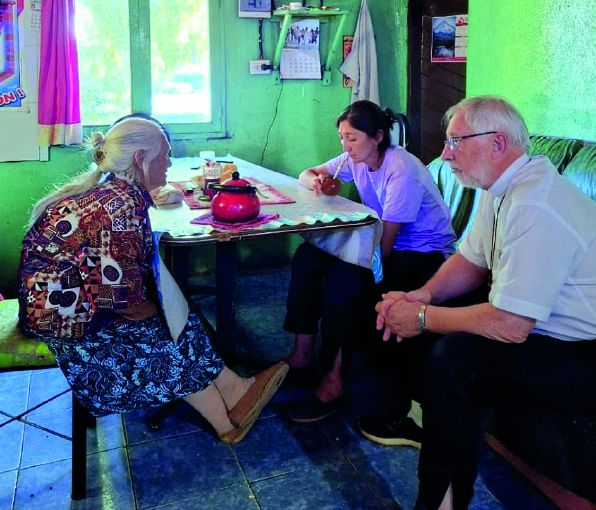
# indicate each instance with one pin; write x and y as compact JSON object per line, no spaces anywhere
{"x":87,"y":289}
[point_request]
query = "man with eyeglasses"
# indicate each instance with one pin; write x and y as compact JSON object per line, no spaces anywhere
{"x":530,"y":344}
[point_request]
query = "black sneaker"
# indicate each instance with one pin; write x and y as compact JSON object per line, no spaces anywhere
{"x":389,"y":432}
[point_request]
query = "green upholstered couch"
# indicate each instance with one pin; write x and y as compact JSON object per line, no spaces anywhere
{"x":561,"y":447}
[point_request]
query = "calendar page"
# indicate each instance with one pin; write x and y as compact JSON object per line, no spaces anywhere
{"x":300,"y":58}
{"x":300,"y":64}
{"x":35,"y":15}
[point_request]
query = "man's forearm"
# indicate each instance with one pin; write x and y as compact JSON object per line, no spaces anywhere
{"x":457,"y":276}
{"x":483,"y":319}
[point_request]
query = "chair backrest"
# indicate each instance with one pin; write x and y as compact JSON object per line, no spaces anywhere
{"x":462,"y":201}
{"x":400,"y":132}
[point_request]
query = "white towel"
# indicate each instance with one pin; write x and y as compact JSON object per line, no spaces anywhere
{"x":173,"y":302}
{"x":361,"y":63}
{"x":352,"y":245}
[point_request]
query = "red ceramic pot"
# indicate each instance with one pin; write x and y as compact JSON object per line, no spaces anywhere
{"x":235,"y":201}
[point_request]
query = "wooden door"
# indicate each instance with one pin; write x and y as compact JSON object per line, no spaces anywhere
{"x":434,"y":87}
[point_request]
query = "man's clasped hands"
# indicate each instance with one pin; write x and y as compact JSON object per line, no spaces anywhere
{"x":398,"y":313}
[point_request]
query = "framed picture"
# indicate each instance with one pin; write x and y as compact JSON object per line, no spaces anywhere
{"x":254,"y":8}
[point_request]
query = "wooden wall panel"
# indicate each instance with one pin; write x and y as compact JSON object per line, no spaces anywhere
{"x":434,"y":87}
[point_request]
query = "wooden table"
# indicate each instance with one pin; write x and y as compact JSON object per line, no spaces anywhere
{"x":308,"y":215}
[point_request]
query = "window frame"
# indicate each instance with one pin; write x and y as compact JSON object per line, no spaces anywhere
{"x":140,"y":73}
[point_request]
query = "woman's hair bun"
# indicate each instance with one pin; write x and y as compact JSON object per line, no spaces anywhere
{"x":390,"y":114}
{"x":97,"y":139}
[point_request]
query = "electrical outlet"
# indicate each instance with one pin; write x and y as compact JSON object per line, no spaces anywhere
{"x":256,"y":67}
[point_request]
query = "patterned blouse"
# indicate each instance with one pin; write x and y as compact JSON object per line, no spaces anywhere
{"x":86,"y":255}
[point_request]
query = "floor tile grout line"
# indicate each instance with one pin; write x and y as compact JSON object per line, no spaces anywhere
{"x":129,"y":462}
{"x":248,"y":482}
{"x":19,"y":417}
{"x":19,"y":463}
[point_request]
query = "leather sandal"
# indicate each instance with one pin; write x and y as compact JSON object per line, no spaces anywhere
{"x":266,"y":383}
{"x":235,"y":435}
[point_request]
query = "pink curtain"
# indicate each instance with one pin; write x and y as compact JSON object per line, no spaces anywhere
{"x":59,"y":112}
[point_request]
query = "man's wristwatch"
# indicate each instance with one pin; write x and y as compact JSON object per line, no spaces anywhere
{"x":422,"y":319}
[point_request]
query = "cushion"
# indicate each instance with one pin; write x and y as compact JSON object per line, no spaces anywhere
{"x":17,"y":350}
{"x":462,"y":201}
{"x":559,"y":150}
{"x":582,"y":170}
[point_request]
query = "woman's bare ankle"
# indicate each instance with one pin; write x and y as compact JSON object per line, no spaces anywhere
{"x":329,"y":389}
{"x":232,"y":387}
{"x":299,"y":361}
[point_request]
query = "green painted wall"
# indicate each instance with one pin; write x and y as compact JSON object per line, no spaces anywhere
{"x":538,"y":54}
{"x":302,"y":132}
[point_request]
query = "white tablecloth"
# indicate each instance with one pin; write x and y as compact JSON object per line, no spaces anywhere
{"x":358,"y":245}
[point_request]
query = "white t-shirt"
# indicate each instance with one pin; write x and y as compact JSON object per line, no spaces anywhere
{"x":544,"y":250}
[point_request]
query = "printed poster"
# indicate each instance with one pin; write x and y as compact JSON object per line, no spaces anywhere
{"x":449,"y":38}
{"x":11,"y":93}
{"x":348,"y":41}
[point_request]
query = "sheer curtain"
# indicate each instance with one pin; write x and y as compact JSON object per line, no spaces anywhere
{"x":59,"y":114}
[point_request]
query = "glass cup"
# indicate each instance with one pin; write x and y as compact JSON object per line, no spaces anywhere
{"x":212,"y":171}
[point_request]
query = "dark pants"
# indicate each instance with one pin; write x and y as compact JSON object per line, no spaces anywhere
{"x":397,"y":367}
{"x":465,"y":374}
{"x":409,"y":270}
{"x":326,"y":289}
{"x":342,"y":297}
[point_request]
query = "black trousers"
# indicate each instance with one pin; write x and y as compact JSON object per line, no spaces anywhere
{"x":465,"y":374}
{"x":325,"y":289}
{"x":342,"y":296}
{"x":396,"y":367}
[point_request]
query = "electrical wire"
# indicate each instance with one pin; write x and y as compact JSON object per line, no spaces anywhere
{"x":272,"y":122}
{"x":260,"y":38}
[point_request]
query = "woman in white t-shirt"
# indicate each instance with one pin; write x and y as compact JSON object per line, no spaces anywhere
{"x":417,"y":237}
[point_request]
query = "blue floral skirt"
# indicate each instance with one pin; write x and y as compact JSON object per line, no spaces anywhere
{"x":133,"y":365}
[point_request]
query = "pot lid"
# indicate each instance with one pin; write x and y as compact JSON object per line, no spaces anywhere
{"x":234,"y":185}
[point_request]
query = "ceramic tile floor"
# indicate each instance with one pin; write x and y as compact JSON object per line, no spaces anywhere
{"x":279,"y":465}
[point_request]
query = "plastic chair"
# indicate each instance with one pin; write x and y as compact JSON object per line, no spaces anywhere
{"x":400,"y":132}
{"x":18,"y":352}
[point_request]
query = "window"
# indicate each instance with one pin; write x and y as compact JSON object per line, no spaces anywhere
{"x":162,"y":57}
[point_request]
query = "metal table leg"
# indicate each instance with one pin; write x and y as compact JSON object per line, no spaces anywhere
{"x":179,"y":258}
{"x":225,"y":290}
{"x":225,"y":300}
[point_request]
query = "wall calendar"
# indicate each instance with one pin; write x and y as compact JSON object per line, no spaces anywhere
{"x":300,"y":58}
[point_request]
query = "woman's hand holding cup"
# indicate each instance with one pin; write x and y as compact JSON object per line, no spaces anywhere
{"x":330,"y":186}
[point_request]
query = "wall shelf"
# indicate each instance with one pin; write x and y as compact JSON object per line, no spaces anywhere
{"x":287,"y":16}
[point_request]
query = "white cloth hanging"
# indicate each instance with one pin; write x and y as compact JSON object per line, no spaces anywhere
{"x":174,"y":304}
{"x":361,"y":63}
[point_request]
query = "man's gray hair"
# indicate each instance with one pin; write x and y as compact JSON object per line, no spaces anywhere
{"x":492,"y":113}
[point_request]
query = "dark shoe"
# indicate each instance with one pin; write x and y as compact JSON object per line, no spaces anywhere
{"x":266,"y":383}
{"x":420,"y":505}
{"x":303,"y":377}
{"x":310,"y":409}
{"x":389,"y":432}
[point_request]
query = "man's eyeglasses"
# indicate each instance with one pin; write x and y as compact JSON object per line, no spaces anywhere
{"x":452,"y":141}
